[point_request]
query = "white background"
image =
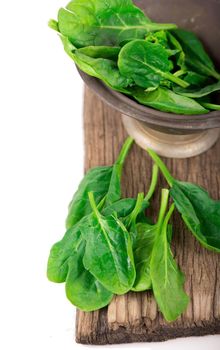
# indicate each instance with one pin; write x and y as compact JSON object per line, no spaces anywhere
{"x":41,"y":145}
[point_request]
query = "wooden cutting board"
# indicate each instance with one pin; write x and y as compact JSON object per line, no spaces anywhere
{"x":134,"y":317}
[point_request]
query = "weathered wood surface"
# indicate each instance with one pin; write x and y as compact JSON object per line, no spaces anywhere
{"x":134,"y":317}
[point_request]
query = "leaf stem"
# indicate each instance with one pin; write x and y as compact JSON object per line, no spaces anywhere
{"x":101,"y":203}
{"x":160,"y":26}
{"x":137,"y":208}
{"x":53,"y":25}
{"x":210,"y":106}
{"x":179,"y":73}
{"x":161,"y":166}
{"x":215,"y":74}
{"x":168,"y":216}
{"x":153,"y":183}
{"x":124,"y":151}
{"x":163,"y":205}
{"x":93,"y":204}
{"x":150,"y":26}
{"x":175,"y":79}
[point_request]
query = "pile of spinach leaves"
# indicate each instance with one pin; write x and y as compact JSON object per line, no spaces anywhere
{"x":156,"y":64}
{"x":112,"y":247}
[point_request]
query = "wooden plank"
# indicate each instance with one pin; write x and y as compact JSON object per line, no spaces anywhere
{"x":135,"y":317}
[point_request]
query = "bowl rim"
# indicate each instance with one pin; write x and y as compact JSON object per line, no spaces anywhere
{"x":125,"y":105}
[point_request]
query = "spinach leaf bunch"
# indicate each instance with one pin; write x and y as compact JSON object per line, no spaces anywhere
{"x":112,"y":247}
{"x":95,"y":257}
{"x":156,"y":64}
{"x":156,"y":268}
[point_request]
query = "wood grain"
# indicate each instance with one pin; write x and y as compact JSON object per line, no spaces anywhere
{"x":134,"y":317}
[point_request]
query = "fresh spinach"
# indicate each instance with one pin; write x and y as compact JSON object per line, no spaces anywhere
{"x":142,"y":254}
{"x":82,"y":288}
{"x":109,"y":52}
{"x":123,"y":207}
{"x":175,"y":45}
{"x":65,"y":265}
{"x":143,"y":247}
{"x":155,"y":267}
{"x":195,"y":79}
{"x":147,"y":64}
{"x":60,"y":253}
{"x":167,"y":279}
{"x":108,"y":253}
{"x":114,"y":41}
{"x":160,"y":37}
{"x":196,"y":56}
{"x":200,"y":213}
{"x":166,"y":100}
{"x":172,"y":46}
{"x":197,"y":93}
{"x":103,"y":67}
{"x":96,"y":22}
{"x":111,"y":247}
{"x":103,"y":182}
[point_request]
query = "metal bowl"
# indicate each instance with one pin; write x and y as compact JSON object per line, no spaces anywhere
{"x":191,"y":134}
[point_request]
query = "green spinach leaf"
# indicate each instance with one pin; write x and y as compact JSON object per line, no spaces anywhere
{"x":109,"y":52}
{"x":61,"y":252}
{"x":103,"y":182}
{"x":108,"y":254}
{"x":167,"y":101}
{"x":142,"y":254}
{"x":123,"y":207}
{"x":200,"y":213}
{"x":167,"y":279}
{"x":195,"y":79}
{"x":147,"y":64}
{"x":79,"y":206}
{"x":197,"y":93}
{"x":98,"y":22}
{"x":100,"y":67}
{"x":160,"y":37}
{"x":65,"y":265}
{"x":180,"y":55}
{"x":196,"y":57}
{"x":143,"y":247}
{"x":82,"y":288}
